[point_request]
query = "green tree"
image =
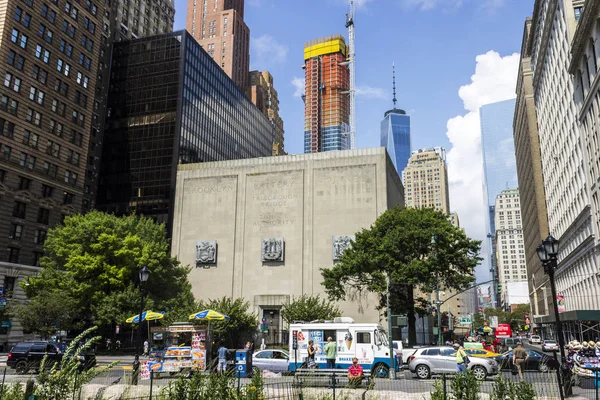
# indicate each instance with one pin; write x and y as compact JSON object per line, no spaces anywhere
{"x":399,"y":246}
{"x":46,"y":313}
{"x":309,"y":308}
{"x":93,"y":257}
{"x":242,"y":323}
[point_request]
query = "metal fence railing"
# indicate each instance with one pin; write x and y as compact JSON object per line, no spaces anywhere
{"x":117,"y":384}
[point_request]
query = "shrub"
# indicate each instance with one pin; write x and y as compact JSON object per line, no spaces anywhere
{"x":465,"y":386}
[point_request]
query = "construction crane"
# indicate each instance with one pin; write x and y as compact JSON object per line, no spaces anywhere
{"x":351,"y":67}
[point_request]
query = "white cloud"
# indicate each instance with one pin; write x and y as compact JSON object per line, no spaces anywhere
{"x":299,"y":85}
{"x":370,"y":92}
{"x":494,"y":80}
{"x":266,"y":52}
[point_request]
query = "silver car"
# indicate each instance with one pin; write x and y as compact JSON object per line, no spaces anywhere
{"x":438,"y":360}
{"x":272,"y":360}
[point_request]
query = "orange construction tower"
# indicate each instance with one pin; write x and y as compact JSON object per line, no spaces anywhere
{"x":326,"y":104}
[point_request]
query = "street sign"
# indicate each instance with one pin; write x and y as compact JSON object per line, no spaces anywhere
{"x":295,"y":340}
{"x":466,"y":321}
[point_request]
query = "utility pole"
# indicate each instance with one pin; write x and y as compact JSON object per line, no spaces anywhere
{"x":389,"y":318}
{"x":437,"y":292}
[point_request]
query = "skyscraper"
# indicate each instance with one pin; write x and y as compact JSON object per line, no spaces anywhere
{"x":327,"y":105}
{"x":220,"y":29}
{"x":510,"y":248}
{"x":264,"y":96}
{"x":395,"y":134}
{"x":122,"y":20}
{"x":426,"y":180}
{"x":50,"y":54}
{"x":499,"y":165}
{"x":165,"y":95}
{"x":531,"y":181}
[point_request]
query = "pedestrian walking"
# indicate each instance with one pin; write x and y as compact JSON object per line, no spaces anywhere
{"x":222,"y":355}
{"x":330,"y":350}
{"x":310,"y":360}
{"x":146,"y":345}
{"x":520,"y":357}
{"x":462,"y":361}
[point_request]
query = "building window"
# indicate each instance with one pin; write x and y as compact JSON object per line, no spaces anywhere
{"x":27,"y":161}
{"x":71,"y":177}
{"x":9,"y":285}
{"x":67,"y":198}
{"x":34,"y":117}
{"x":578,"y":13}
{"x":39,"y":237}
{"x":37,"y":256}
{"x":13,"y":254}
{"x":43,"y":216}
{"x":19,"y":210}
{"x":7,"y":128}
{"x":47,"y":191}
{"x":50,"y":169}
{"x":24,"y":183}
{"x":16,"y":232}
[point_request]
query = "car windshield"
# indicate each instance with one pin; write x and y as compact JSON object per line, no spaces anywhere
{"x":382,"y":338}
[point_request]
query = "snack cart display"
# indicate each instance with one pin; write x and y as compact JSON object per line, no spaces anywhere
{"x":178,"y":348}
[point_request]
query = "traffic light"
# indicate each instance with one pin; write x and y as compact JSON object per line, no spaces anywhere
{"x":498,"y":288}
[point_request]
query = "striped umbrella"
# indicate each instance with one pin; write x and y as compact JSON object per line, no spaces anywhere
{"x":210,"y":315}
{"x":146,"y":316}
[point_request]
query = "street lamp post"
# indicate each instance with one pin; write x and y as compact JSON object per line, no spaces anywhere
{"x":437,"y":294}
{"x":548,"y":252}
{"x":144,"y":274}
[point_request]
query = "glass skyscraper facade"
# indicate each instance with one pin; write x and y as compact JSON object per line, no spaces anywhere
{"x":169,"y":103}
{"x":499,"y":164}
{"x":395,"y":137}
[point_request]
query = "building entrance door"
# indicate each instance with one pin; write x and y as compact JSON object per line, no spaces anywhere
{"x":272,"y":317}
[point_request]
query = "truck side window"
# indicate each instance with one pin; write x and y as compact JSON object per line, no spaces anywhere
{"x":363,"y":337}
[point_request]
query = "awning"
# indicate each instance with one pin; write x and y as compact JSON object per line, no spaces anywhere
{"x":570,"y":316}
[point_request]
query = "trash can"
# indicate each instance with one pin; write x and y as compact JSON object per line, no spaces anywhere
{"x":243,"y":363}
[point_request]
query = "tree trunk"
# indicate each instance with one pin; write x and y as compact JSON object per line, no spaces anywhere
{"x":410,"y":313}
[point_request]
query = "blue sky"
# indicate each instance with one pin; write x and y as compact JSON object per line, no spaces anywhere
{"x":451,"y":56}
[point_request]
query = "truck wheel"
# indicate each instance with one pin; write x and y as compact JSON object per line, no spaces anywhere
{"x":21,"y":367}
{"x":381,"y":371}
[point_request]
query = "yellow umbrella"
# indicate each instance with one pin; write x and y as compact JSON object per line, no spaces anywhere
{"x":210,"y":315}
{"x":146,"y":316}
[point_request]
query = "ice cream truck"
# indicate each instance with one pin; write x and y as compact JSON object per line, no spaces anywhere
{"x":366,"y":341}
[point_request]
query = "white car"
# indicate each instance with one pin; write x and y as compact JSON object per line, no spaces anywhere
{"x":272,"y":360}
{"x":535,"y":339}
{"x":549,"y":345}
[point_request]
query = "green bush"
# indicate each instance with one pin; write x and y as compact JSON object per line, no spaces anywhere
{"x":438,"y":390}
{"x":524,"y":391}
{"x":465,"y":386}
{"x":60,"y":382}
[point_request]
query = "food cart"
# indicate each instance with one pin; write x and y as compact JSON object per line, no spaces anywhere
{"x":180,"y":347}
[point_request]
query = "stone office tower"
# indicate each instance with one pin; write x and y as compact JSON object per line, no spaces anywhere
{"x":219,"y":27}
{"x":50,"y":52}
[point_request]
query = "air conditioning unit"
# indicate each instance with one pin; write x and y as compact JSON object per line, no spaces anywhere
{"x":343,"y":320}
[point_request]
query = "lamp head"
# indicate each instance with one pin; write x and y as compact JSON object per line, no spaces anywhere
{"x":144,"y":274}
{"x":542,"y":254}
{"x":551,"y":245}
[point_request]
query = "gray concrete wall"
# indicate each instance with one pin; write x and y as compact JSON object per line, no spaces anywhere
{"x":305,"y":199}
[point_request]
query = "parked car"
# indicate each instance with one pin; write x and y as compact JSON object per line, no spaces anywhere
{"x":26,"y":356}
{"x":272,"y":360}
{"x":549,"y":345}
{"x":535,"y":339}
{"x":483,"y":353}
{"x":441,"y":359}
{"x":536,"y":361}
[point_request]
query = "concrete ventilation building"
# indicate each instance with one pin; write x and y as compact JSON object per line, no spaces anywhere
{"x":531,"y":182}
{"x":220,"y":29}
{"x":426,"y":180}
{"x":395,"y":134}
{"x":269,"y":224}
{"x":326,"y":103}
{"x":123,"y":20}
{"x":564,"y":160}
{"x":158,"y":120}
{"x":50,"y":54}
{"x":510,"y":248}
{"x":264,"y":96}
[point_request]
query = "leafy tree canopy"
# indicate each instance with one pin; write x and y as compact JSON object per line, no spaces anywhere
{"x":309,"y":308}
{"x":47,"y":312}
{"x":95,"y":259}
{"x":399,"y":246}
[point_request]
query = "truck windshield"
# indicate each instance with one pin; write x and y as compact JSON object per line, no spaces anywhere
{"x":381,"y":337}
